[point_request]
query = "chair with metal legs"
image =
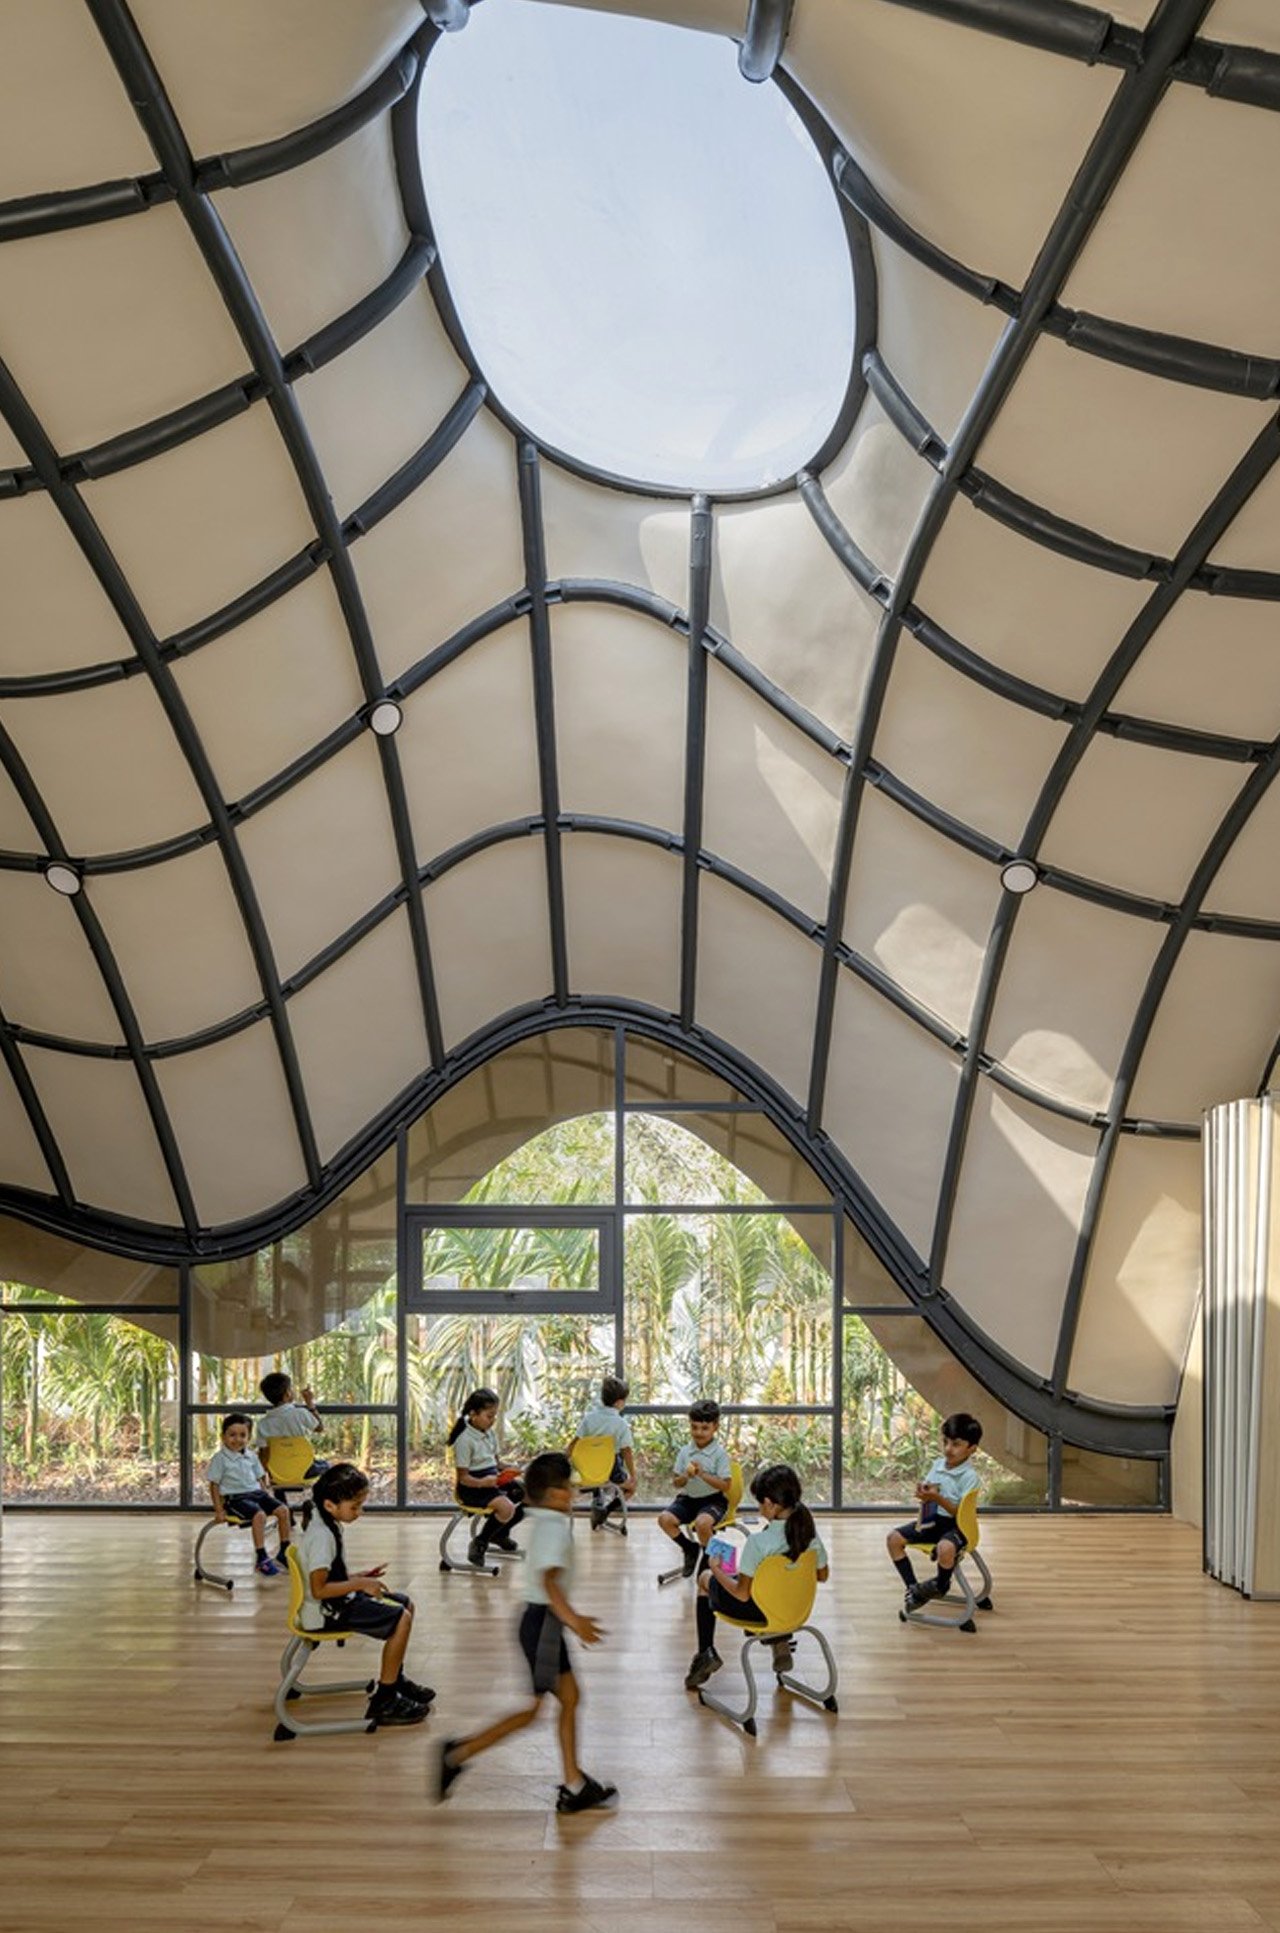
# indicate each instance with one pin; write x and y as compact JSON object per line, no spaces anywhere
{"x":293,"y":1661}
{"x":784,"y":1589}
{"x":594,"y":1460}
{"x":969,"y":1601}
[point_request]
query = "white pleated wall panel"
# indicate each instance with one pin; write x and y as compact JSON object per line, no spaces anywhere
{"x":1143,"y":1277}
{"x":1018,"y":1207}
{"x":920,"y":908}
{"x":1217,"y":1024}
{"x":322,"y":855}
{"x":24,"y":1165}
{"x":891,"y":1090}
{"x":195,"y":527}
{"x":50,"y":982}
{"x":622,"y":911}
{"x":620,"y":685}
{"x":772,"y":797}
{"x":934,"y":338}
{"x":212,"y":1097}
{"x":101,"y":1125}
{"x":56,"y":614}
{"x":1210,"y":666}
{"x":54,"y":53}
{"x":490,"y":938}
{"x":757,"y":983}
{"x":467,"y":747}
{"x":360,"y":1034}
{"x":597,"y":533}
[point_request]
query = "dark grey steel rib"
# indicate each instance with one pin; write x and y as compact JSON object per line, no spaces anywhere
{"x":1057,"y":533}
{"x":267,"y":158}
{"x":1054,"y":26}
{"x":1248,"y":75}
{"x":80,"y":207}
{"x":544,"y":708}
{"x":33,"y":1108}
{"x":761,"y":50}
{"x":701,"y":535}
{"x":901,"y":411}
{"x":417,"y":468}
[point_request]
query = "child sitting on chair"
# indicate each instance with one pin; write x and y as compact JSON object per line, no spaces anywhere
{"x":286,"y":1417}
{"x":605,"y":1418}
{"x":702,"y":1477}
{"x":238,"y":1488}
{"x":788,"y":1531}
{"x":949,"y":1478}
{"x":479,"y":1477}
{"x":335,"y":1601}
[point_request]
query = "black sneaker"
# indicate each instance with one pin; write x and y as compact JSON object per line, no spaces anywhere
{"x":590,"y":1795}
{"x":783,"y":1653}
{"x":920,"y":1594}
{"x":614,"y":1504}
{"x":446,"y":1773}
{"x":394,"y":1711}
{"x":692,"y":1552}
{"x":598,"y":1512}
{"x":704,"y":1665}
{"x":475,"y":1551}
{"x":416,"y":1694}
{"x":504,"y":1541}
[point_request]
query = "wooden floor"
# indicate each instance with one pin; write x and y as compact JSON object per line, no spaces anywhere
{"x":1103,"y":1754}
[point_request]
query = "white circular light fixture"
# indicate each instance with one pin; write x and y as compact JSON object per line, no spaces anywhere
{"x":63,"y":878}
{"x":1019,"y":876}
{"x":385,"y":718}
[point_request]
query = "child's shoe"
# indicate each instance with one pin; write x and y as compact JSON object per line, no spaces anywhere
{"x":503,"y":1540}
{"x":782,"y":1653}
{"x":589,"y":1795}
{"x":446,"y":1773}
{"x":416,"y":1694}
{"x":598,"y":1511}
{"x":921,"y":1594}
{"x":388,"y":1707}
{"x":692,"y":1552}
{"x":704,"y":1665}
{"x":475,"y":1551}
{"x":267,"y":1566}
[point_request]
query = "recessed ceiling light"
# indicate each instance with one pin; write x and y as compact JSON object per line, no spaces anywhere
{"x":63,"y":878}
{"x":385,"y":718}
{"x":1019,"y":876}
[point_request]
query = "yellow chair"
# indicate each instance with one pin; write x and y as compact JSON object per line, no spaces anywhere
{"x":461,"y":1512}
{"x":293,"y":1661}
{"x":594,"y":1458}
{"x":736,"y":1486}
{"x":201,"y":1576}
{"x":970,"y":1602}
{"x":784,"y":1589}
{"x":287,"y":1461}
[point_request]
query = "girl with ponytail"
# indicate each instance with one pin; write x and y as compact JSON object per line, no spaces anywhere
{"x":481,"y":1481}
{"x":788,"y":1531}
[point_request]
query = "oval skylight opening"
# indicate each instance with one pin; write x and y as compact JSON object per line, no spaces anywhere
{"x":643,"y":248}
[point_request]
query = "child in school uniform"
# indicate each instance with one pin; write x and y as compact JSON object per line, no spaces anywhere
{"x":548,"y":1614}
{"x":949,"y":1478}
{"x":788,"y":1531}
{"x":334,"y":1600}
{"x":605,"y":1418}
{"x":702,"y":1477}
{"x":478,"y":1474}
{"x":287,"y":1417}
{"x":238,"y":1490}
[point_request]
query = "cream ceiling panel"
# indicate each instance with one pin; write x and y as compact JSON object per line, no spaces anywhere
{"x":632,"y":950}
{"x":1017,"y":1216}
{"x":239,"y":73}
{"x":317,"y":238}
{"x":1143,"y":1281}
{"x":1058,"y":1021}
{"x":359,"y":1034}
{"x":757,"y":983}
{"x":48,"y":978}
{"x":17,"y":834}
{"x":1134,"y":267}
{"x":100,"y":1122}
{"x":272,"y":689}
{"x":1023,"y":607}
{"x":592,"y":532}
{"x":1248,"y":881}
{"x":1211,"y":666}
{"x":177,"y":936}
{"x":1138,"y":817}
{"x":1215,"y":1030}
{"x":877,"y":487}
{"x":891,"y":1091}
{"x":1130,"y":455}
{"x":1253,"y":22}
{"x":467,"y":746}
{"x":55,"y":59}
{"x":782,"y":597}
{"x":197,"y":526}
{"x":12,"y":454}
{"x":323,"y":854}
{"x":935,"y":339}
{"x":56,"y":616}
{"x":19,"y":1150}
{"x":920,"y":908}
{"x":450,"y":551}
{"x":978,"y":756}
{"x":620,"y":682}
{"x":107,"y":765}
{"x":709,"y":16}
{"x":1251,"y":542}
{"x":772,"y":797}
{"x":212,"y":1096}
{"x":108,"y":326}
{"x":380,"y":400}
{"x":490,"y":942}
{"x":1007,"y":127}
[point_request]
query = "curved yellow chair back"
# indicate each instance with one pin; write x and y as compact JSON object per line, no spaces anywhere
{"x":967,"y":1518}
{"x":291,"y":1458}
{"x":593,"y":1460}
{"x":297,"y":1592}
{"x":736,"y":1486}
{"x":785,"y":1588}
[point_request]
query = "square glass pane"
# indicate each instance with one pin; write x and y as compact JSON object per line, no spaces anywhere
{"x":367,"y":1441}
{"x":518,"y":1261}
{"x":733,"y":1306}
{"x":900,"y":1381}
{"x":32,"y":1260}
{"x":802,"y":1441}
{"x":546,"y":1368}
{"x":1112,"y":1482}
{"x":90,"y":1408}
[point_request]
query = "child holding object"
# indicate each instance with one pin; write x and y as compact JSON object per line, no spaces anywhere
{"x":238,"y":1489}
{"x":948,"y":1478}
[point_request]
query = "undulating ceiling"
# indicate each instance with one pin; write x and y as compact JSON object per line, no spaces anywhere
{"x":745,"y":769}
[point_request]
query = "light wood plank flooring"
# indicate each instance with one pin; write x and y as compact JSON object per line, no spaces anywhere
{"x":1104,"y":1753}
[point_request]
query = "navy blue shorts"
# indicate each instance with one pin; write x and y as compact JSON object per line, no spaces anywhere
{"x":372,"y":1617}
{"x":542,"y":1641}
{"x":686,"y":1509}
{"x":934,"y":1533}
{"x":738,"y":1610}
{"x":245,"y":1505}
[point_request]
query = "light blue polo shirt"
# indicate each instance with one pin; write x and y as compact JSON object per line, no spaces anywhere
{"x":953,"y":1484}
{"x":476,"y":1451}
{"x":550,"y":1548}
{"x":236,"y":1471}
{"x":288,"y":1419}
{"x":715,"y":1459}
{"x":601,"y":1421}
{"x":771,"y":1541}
